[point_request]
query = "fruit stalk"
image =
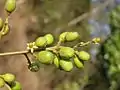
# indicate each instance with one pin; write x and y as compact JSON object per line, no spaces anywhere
{"x":28,"y":60}
{"x":8,"y":87}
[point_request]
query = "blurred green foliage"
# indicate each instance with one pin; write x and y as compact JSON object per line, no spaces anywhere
{"x":110,"y":51}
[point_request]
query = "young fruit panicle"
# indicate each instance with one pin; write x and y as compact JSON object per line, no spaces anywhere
{"x":66,"y":52}
{"x":56,"y":61}
{"x":1,"y":23}
{"x":41,"y":42}
{"x":8,"y":77}
{"x":66,"y":65}
{"x":78,"y":63}
{"x":16,"y":86}
{"x":49,"y":38}
{"x":83,"y":55}
{"x":10,"y":6}
{"x":2,"y":82}
{"x":45,"y":57}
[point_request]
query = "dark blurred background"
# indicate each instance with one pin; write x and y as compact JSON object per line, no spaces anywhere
{"x":34,"y":18}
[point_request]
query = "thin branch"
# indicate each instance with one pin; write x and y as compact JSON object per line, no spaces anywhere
{"x":8,"y":87}
{"x":29,"y":62}
{"x":71,"y":23}
{"x":14,"y":53}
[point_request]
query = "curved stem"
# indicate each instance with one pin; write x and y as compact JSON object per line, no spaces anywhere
{"x":29,"y":62}
{"x":4,"y":25}
{"x":58,"y":44}
{"x":8,"y":87}
{"x":81,"y":44}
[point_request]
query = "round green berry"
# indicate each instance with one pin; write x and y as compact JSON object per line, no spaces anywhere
{"x":71,"y":36}
{"x":10,"y":5}
{"x":8,"y":77}
{"x":56,"y":61}
{"x":62,"y":36}
{"x":45,"y":57}
{"x":16,"y":86}
{"x":1,"y":23}
{"x":2,"y":82}
{"x":49,"y":38}
{"x":66,"y":65}
{"x":78,"y":63}
{"x":66,"y":52}
{"x":41,"y":42}
{"x":84,"y":55}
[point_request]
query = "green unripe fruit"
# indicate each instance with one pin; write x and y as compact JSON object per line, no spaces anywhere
{"x":16,"y":86}
{"x":62,"y":36}
{"x":66,"y":65}
{"x":45,"y":57}
{"x":49,"y":38}
{"x":56,"y":61}
{"x":84,"y":55}
{"x":1,"y":23}
{"x":41,"y":42}
{"x":2,"y":83}
{"x":10,"y":5}
{"x":66,"y":52}
{"x":78,"y":63}
{"x":8,"y":77}
{"x":71,"y":36}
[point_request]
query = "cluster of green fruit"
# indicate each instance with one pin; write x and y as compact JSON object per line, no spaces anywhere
{"x":9,"y":81}
{"x":62,"y":57}
{"x":10,"y":6}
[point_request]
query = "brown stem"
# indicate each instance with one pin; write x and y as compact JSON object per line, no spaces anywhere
{"x":29,"y":62}
{"x":14,"y":53}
